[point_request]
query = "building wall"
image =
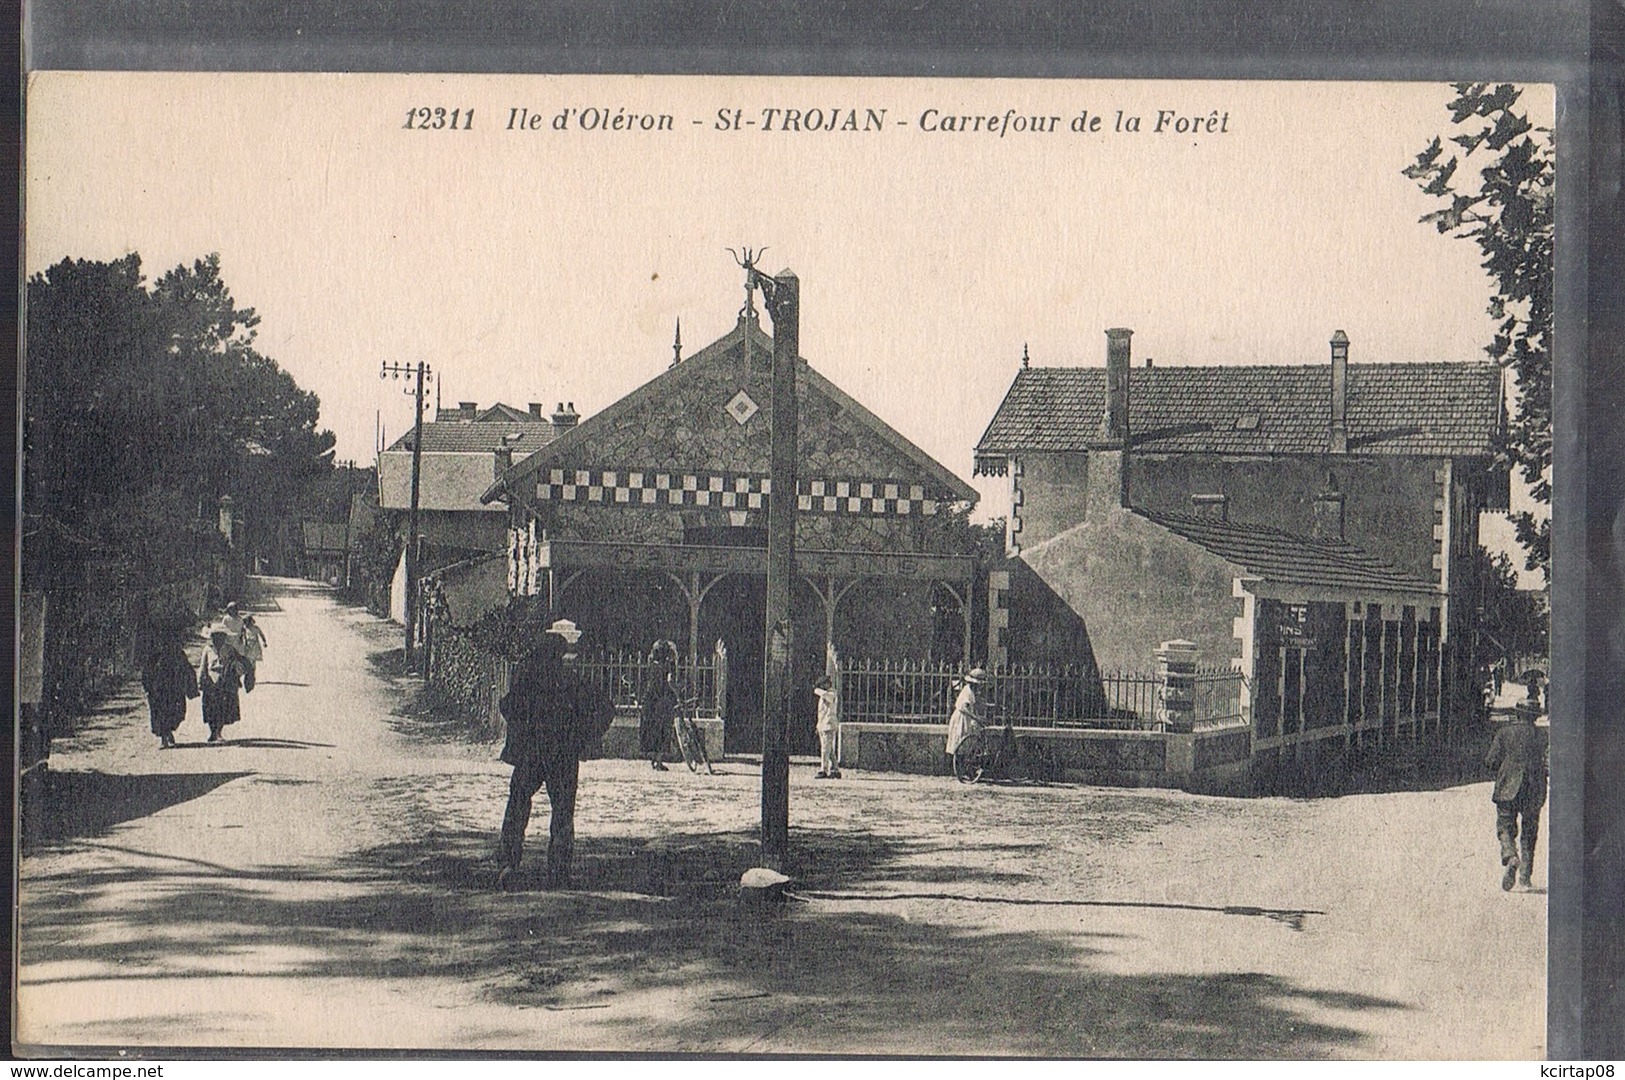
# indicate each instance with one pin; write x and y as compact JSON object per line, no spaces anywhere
{"x":483,"y":530}
{"x":1390,"y":504}
{"x":1135,"y":585}
{"x":445,"y":481}
{"x":1391,"y":509}
{"x":1053,"y":494}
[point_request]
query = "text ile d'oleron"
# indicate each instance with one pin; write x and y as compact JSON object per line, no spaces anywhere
{"x":864,"y":120}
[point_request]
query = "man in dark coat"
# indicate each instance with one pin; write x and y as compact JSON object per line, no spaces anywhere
{"x":1518,"y":755}
{"x":555,"y":717}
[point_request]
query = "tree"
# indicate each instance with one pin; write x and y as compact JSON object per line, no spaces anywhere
{"x":1509,"y":216}
{"x":143,"y":407}
{"x":1512,"y":624}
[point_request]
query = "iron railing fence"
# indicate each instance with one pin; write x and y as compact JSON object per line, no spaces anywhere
{"x":1032,"y":695}
{"x":623,"y":674}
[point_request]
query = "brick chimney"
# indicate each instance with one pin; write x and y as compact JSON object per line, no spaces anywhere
{"x":1107,"y":489}
{"x":1328,"y":524}
{"x":467,"y":410}
{"x":1114,"y":421}
{"x":536,"y":408}
{"x":565,"y":417}
{"x":1211,"y":507}
{"x":503,"y":460}
{"x":1338,"y":441}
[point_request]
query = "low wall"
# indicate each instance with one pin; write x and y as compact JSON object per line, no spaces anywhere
{"x":1216,"y":760}
{"x":621,"y":741}
{"x":463,"y":680}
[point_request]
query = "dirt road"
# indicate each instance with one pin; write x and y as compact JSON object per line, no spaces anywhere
{"x":323,"y":880}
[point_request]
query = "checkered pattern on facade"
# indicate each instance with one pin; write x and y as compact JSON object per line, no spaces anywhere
{"x":731,"y":491}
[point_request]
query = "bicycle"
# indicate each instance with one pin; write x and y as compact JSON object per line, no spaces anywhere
{"x":689,"y":740}
{"x":988,"y":751}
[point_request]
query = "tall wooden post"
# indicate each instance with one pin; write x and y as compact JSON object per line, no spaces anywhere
{"x":412,"y":597}
{"x":421,"y":371}
{"x":783,"y":295}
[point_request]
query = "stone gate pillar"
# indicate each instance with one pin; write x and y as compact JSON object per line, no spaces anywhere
{"x":1176,"y":667}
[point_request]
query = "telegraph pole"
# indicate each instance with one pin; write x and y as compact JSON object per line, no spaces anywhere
{"x":783,"y":298}
{"x":421,"y":372}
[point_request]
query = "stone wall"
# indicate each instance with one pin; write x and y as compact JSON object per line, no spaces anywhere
{"x":681,"y":424}
{"x":1208,"y":761}
{"x":463,"y":680}
{"x":622,"y":739}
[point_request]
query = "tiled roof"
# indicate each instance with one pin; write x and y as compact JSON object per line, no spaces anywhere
{"x":464,"y":437}
{"x":1292,"y":560}
{"x":1445,"y":410}
{"x":500,"y":412}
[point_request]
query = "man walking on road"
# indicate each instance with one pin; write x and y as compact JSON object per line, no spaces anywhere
{"x":555,"y":717}
{"x":1518,"y":755}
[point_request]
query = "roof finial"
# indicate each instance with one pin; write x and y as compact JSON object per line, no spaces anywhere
{"x":677,"y":345}
{"x":1026,"y":361}
{"x":747,"y":262}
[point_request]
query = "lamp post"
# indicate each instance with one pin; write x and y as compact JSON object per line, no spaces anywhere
{"x":782,"y":295}
{"x":422,"y":373}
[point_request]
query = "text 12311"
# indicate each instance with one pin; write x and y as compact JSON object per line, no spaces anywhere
{"x":439,"y":119}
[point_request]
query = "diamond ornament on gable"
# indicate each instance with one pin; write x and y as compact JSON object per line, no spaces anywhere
{"x":742,"y":408}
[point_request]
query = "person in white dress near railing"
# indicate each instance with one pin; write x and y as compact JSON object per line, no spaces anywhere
{"x":969,"y":712}
{"x":829,"y":729}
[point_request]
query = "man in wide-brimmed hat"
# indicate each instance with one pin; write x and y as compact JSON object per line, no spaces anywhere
{"x":555,"y":717}
{"x":969,"y":713}
{"x":1518,"y":755}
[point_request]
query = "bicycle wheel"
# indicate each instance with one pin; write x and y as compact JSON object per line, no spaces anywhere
{"x":702,"y":756}
{"x":695,"y":754}
{"x":685,"y":746}
{"x":970,"y":759}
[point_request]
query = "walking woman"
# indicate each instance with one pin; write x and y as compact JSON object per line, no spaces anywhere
{"x":219,"y":676}
{"x":658,"y":696}
{"x":166,"y":676}
{"x":253,"y":650}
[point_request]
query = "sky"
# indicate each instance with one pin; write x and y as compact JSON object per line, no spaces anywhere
{"x":552,"y":265}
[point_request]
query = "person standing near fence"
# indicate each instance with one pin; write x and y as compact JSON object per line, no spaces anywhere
{"x":658,"y":700}
{"x":168,"y":679}
{"x":219,"y":675}
{"x":555,"y":717}
{"x":969,"y":713}
{"x":829,"y":729}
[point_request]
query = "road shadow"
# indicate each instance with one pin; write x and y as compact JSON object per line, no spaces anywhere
{"x":252,"y":742}
{"x":660,"y":918}
{"x":89,"y":804}
{"x":390,"y":663}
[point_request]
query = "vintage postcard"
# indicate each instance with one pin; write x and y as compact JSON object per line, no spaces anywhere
{"x":736,"y":566}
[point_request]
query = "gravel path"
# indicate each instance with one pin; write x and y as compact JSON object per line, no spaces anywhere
{"x":323,"y":880}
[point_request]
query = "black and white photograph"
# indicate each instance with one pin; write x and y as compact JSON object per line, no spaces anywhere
{"x":737,"y":566}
